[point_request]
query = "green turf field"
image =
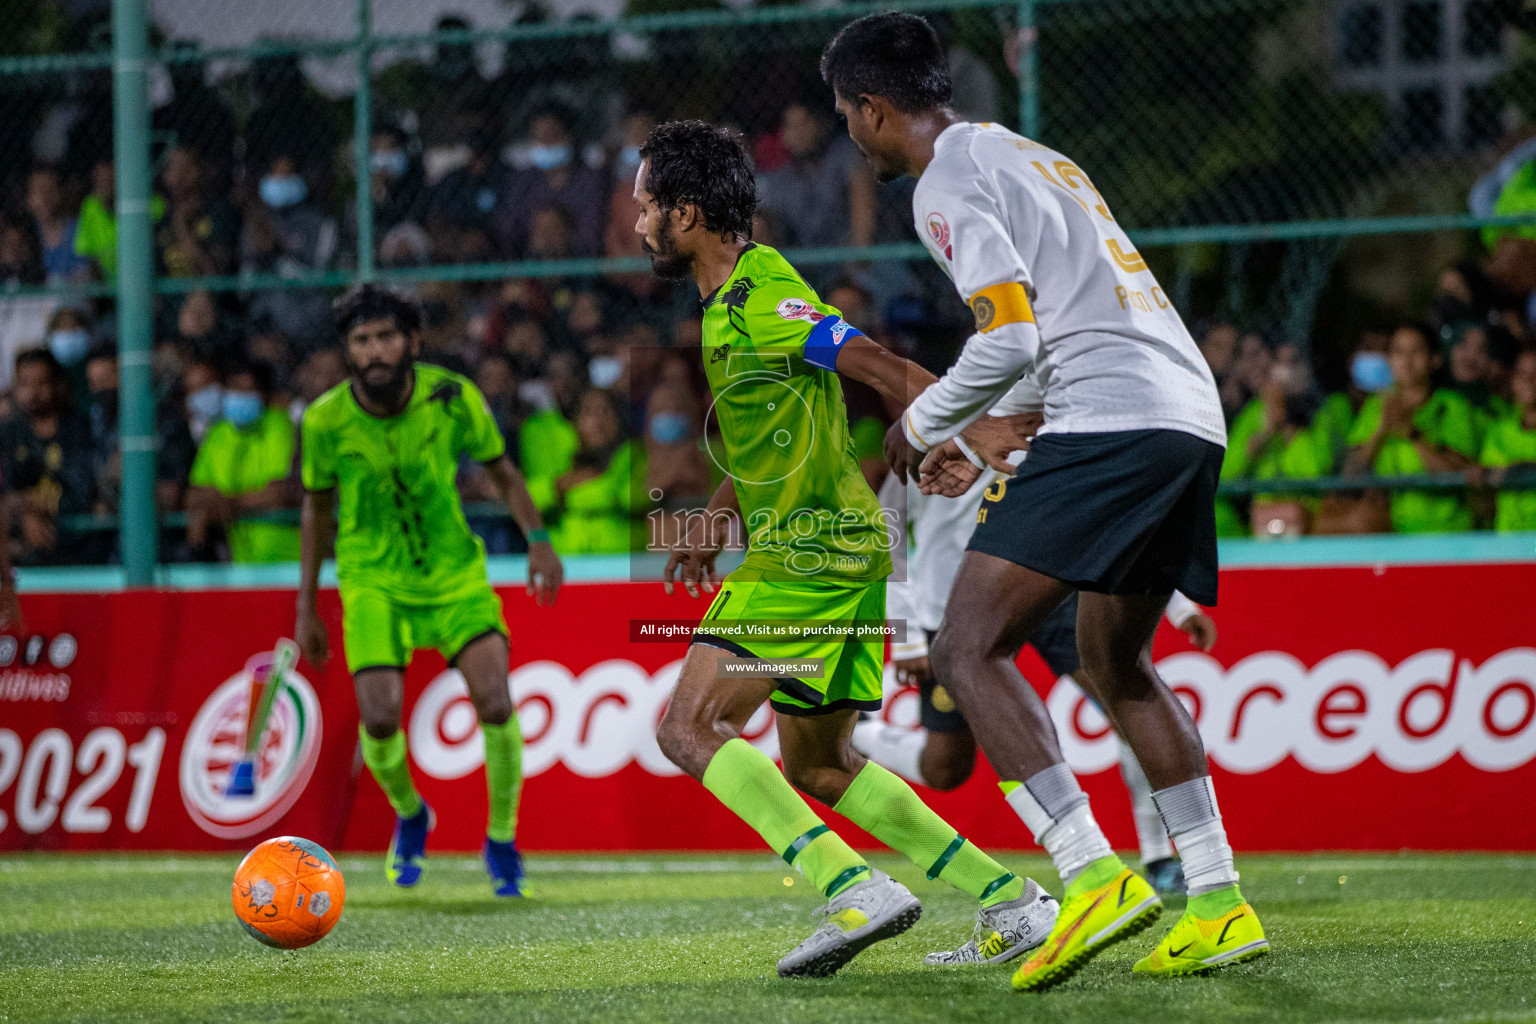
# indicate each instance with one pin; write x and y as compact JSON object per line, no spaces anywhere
{"x":634,"y":940}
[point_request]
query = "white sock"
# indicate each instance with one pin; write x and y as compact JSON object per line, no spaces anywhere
{"x":1150,"y":834}
{"x":1056,"y":811}
{"x":900,"y":750}
{"x":1190,"y":813}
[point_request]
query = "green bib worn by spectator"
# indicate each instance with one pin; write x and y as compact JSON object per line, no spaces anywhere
{"x":1447,"y":421}
{"x":235,"y":461}
{"x":546,"y":443}
{"x":1518,"y":197}
{"x":1511,"y":443}
{"x":1307,"y":455}
{"x":599,"y":515}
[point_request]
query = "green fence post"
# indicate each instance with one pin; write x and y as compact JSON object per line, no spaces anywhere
{"x":362,"y":133}
{"x":138,"y":535}
{"x":1029,"y":71}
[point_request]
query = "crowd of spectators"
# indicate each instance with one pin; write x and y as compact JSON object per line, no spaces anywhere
{"x":595,"y":380}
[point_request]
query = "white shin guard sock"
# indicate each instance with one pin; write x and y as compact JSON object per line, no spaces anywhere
{"x":900,"y":750}
{"x":1151,"y":836}
{"x":1193,"y":819}
{"x":1070,"y":834}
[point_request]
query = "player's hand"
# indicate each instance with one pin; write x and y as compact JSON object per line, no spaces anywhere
{"x":545,"y":573}
{"x":309,"y":632}
{"x":947,"y":472}
{"x":1201,"y":630}
{"x":994,"y":438}
{"x":10,"y":607}
{"x":900,"y":453}
{"x":912,"y":671}
{"x":693,"y":559}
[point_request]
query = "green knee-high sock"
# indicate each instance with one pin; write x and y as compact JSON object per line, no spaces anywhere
{"x":745,"y":780}
{"x":885,"y":806}
{"x":503,"y":776}
{"x":386,"y":759}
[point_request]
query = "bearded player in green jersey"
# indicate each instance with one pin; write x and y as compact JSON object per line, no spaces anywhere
{"x":387,"y":443}
{"x":816,"y":554}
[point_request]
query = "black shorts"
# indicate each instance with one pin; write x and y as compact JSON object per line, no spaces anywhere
{"x":1128,"y":512}
{"x":1056,"y":643}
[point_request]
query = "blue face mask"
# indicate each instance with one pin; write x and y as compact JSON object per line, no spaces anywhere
{"x":629,"y":158}
{"x":604,"y":371}
{"x":1370,"y":371}
{"x":668,"y":427}
{"x":391,"y":162}
{"x":548,"y":158}
{"x":69,"y":347}
{"x":283,"y":190}
{"x":242,"y":408}
{"x":206,"y":403}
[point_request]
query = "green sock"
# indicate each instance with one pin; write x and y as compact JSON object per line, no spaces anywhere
{"x":1100,"y":872}
{"x":1209,"y":906}
{"x":884,"y":806}
{"x":386,"y":759}
{"x":503,"y":776}
{"x":745,"y":780}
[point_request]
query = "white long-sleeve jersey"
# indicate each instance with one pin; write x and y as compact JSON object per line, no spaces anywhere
{"x":1056,"y":286}
{"x":940,"y":529}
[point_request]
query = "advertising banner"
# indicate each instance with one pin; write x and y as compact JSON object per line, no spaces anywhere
{"x":1343,"y":708}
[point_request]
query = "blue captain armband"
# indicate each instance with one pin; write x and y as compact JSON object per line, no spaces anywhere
{"x":826,"y":340}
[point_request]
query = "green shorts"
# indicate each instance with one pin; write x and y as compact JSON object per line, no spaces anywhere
{"x":853,"y":668}
{"x":380,"y":632}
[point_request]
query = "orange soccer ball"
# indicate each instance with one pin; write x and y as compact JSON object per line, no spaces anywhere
{"x":288,"y":892}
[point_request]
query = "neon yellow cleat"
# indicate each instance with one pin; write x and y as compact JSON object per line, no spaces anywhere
{"x":1090,"y":922}
{"x":1195,"y":945}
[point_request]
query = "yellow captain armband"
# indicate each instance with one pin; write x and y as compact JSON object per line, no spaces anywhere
{"x":1000,"y":305}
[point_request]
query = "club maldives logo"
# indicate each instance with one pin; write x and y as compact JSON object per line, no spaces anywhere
{"x":799,"y":309}
{"x":285,"y":753}
{"x":938,"y":230}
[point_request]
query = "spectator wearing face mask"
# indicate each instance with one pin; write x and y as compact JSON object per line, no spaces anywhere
{"x":243,"y":466}
{"x":1415,"y":427}
{"x":676,"y":470}
{"x":604,"y":490}
{"x":287,"y":234}
{"x":203,"y":387}
{"x":465,"y":201}
{"x":555,"y":177}
{"x":397,"y":182}
{"x":47,"y":459}
{"x":70,"y":340}
{"x":1511,"y":444}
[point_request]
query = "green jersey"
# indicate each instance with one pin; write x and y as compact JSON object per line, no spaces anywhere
{"x":1510,"y":443}
{"x":770,"y":352}
{"x":400,"y":525}
{"x":235,"y":462}
{"x":1446,"y":420}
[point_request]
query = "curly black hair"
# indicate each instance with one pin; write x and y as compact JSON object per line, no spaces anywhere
{"x":693,"y":162}
{"x":894,"y":55}
{"x":370,"y":302}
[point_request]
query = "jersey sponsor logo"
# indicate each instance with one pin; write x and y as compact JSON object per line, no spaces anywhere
{"x":799,"y":309}
{"x":445,"y":392}
{"x":720,"y":353}
{"x":287,"y":753}
{"x":938,"y":230}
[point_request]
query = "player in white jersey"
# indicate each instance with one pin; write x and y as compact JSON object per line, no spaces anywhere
{"x":1116,"y":500}
{"x":941,"y":753}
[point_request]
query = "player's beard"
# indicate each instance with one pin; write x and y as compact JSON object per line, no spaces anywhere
{"x":385,"y":392}
{"x":666,"y":262}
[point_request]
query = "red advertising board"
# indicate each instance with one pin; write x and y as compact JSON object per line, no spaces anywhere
{"x":1344,"y":708}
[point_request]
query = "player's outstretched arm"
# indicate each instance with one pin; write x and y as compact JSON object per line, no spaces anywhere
{"x":545,"y":573}
{"x":316,"y":523}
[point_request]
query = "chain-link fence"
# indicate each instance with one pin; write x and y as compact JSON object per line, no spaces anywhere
{"x":1299,"y":174}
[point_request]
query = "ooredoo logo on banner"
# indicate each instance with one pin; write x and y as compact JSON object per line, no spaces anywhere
{"x":1412,"y":716}
{"x":285,"y":751}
